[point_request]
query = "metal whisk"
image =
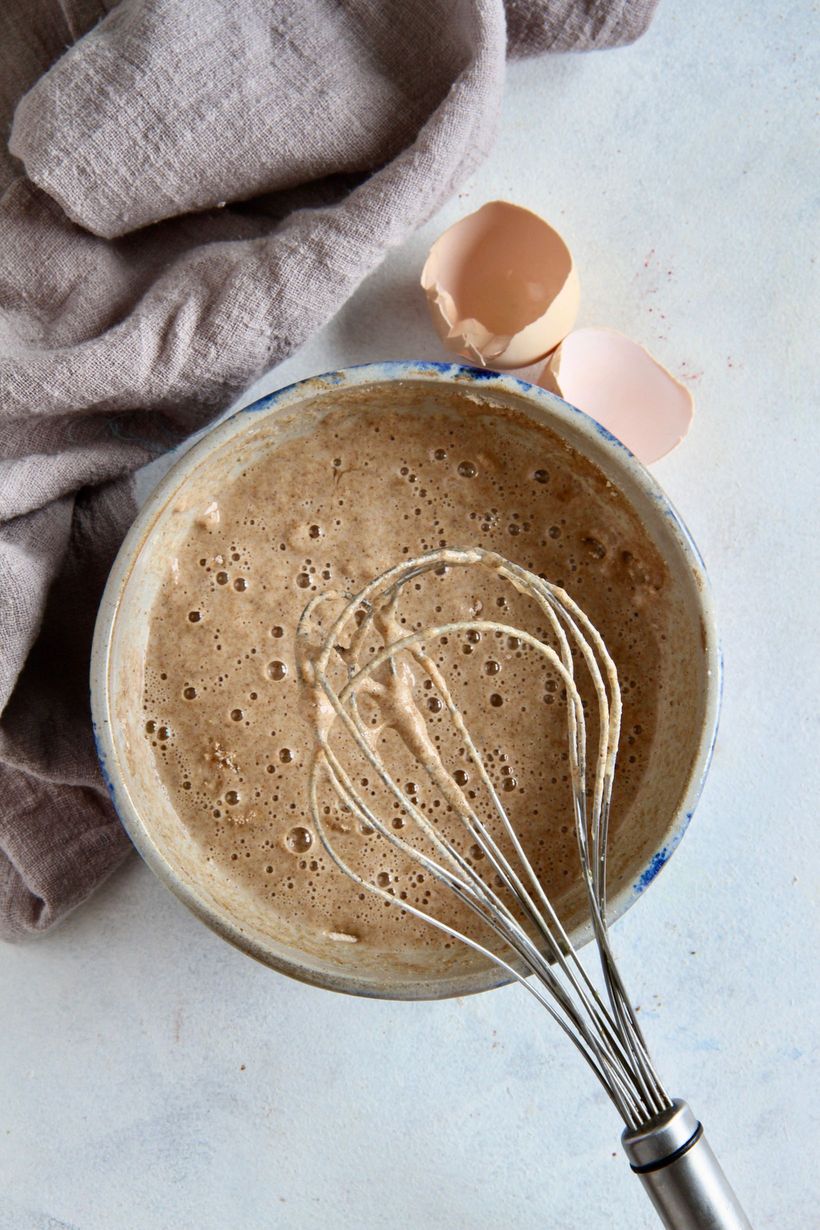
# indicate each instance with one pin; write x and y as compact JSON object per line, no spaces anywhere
{"x":339,"y":660}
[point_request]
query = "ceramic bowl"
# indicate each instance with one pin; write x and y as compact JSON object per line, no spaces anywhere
{"x":678,"y":760}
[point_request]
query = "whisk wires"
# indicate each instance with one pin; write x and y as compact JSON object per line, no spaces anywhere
{"x":508,"y":896}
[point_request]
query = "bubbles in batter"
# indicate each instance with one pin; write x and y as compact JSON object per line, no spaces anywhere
{"x":224,"y":712}
{"x":298,"y":840}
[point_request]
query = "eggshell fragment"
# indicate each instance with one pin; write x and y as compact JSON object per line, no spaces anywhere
{"x":501,"y":286}
{"x":620,"y":385}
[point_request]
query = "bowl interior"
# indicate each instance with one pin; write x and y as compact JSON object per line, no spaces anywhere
{"x":677,"y":758}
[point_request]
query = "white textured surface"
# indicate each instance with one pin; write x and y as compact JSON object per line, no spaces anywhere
{"x":153,"y":1079}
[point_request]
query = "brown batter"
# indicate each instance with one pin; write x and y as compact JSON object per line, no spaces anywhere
{"x":224,"y":709}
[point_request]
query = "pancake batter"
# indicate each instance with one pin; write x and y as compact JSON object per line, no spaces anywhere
{"x":225,"y":712}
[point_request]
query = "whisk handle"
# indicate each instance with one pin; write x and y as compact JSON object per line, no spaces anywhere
{"x":681,"y":1174}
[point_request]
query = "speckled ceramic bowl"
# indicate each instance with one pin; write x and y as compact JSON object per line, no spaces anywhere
{"x":677,"y":762}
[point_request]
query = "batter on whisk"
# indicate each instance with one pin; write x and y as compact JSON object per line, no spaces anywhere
{"x":226,"y":712}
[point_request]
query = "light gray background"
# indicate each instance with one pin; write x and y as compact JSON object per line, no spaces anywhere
{"x":153,"y":1079}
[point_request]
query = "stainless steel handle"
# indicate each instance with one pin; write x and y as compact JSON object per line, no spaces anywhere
{"x":681,"y":1174}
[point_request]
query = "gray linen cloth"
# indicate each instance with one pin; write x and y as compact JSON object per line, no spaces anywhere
{"x":191,"y":188}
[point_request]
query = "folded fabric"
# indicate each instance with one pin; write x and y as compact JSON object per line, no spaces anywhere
{"x":190,"y":190}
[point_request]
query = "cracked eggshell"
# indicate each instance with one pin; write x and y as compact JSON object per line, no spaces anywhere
{"x":501,"y":287}
{"x":620,"y":385}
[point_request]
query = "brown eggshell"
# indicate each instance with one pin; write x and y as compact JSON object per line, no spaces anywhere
{"x":501,"y":287}
{"x":620,"y":385}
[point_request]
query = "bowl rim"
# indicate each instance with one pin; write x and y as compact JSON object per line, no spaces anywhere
{"x":386,"y":372}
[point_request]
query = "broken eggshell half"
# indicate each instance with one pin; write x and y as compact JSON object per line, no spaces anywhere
{"x":620,"y":385}
{"x":501,"y":286}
